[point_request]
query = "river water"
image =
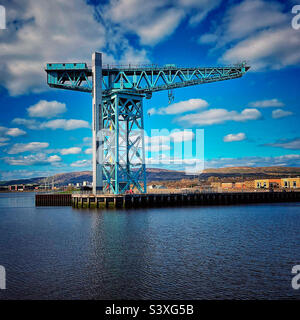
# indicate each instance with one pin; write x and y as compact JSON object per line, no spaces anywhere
{"x":213,"y":252}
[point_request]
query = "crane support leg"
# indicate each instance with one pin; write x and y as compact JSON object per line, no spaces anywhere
{"x":97,"y":122}
{"x":123,"y":143}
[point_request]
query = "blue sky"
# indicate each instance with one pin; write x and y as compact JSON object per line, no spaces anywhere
{"x":249,"y":121}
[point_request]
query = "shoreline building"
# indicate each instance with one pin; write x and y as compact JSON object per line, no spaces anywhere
{"x":290,"y":183}
{"x":268,"y":183}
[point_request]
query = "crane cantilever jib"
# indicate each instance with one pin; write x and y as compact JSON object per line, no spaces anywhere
{"x":118,"y":93}
{"x":77,"y":76}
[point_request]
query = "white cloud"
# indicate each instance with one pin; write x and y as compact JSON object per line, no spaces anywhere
{"x":46,"y":109}
{"x":257,"y":31}
{"x":3,"y":141}
{"x":151,"y":111}
{"x":265,"y":50}
{"x":157,"y":147}
{"x":73,"y":150}
{"x":54,"y":158}
{"x":24,"y":147}
{"x":266,"y":103}
{"x":163,"y":25}
{"x":88,"y":151}
{"x":208,"y":38}
{"x":181,"y":107}
{"x":162,"y":17}
{"x":180,"y":136}
{"x":65,"y":124}
{"x":87,"y":139}
{"x":32,"y":160}
{"x":234,"y":137}
{"x":163,"y":142}
{"x":279,"y":113}
{"x":21,"y":174}
{"x":284,"y":160}
{"x":152,"y":27}
{"x":157,"y":139}
{"x":251,"y":16}
{"x":15,"y":132}
{"x":216,"y":116}
{"x":176,"y":136}
{"x":45,"y":33}
{"x":2,"y":144}
{"x":41,"y":31}
{"x":28,"y":123}
{"x":293,"y":144}
{"x":199,"y":9}
{"x":177,"y":163}
{"x":81,"y":163}
{"x":2,"y":129}
{"x":134,"y":56}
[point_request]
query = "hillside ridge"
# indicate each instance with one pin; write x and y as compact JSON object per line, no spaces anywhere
{"x":157,"y":174}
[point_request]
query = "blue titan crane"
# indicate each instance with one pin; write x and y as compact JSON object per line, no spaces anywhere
{"x":118,"y":92}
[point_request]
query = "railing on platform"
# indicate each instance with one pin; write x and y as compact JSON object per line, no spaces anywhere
{"x":183,"y":191}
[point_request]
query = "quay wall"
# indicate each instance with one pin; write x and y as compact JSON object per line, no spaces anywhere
{"x":53,"y":200}
{"x":163,"y":200}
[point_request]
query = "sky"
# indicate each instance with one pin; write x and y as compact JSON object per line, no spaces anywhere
{"x":251,"y":121}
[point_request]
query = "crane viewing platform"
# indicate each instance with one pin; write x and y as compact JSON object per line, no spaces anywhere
{"x":118,"y":125}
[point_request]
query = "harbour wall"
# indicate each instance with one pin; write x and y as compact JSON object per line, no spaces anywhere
{"x":163,"y":200}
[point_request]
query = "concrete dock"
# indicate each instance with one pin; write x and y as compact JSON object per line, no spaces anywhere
{"x":163,"y":200}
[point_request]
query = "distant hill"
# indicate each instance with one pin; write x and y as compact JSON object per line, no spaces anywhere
{"x":255,"y":170}
{"x":154,"y":174}
{"x":251,"y":172}
{"x":80,"y":176}
{"x":22,"y":181}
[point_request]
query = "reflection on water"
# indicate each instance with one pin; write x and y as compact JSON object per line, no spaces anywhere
{"x":172,"y":253}
{"x":17,"y":200}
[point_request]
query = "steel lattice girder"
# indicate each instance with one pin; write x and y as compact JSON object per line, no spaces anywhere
{"x":123,"y":143}
{"x":137,"y":79}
